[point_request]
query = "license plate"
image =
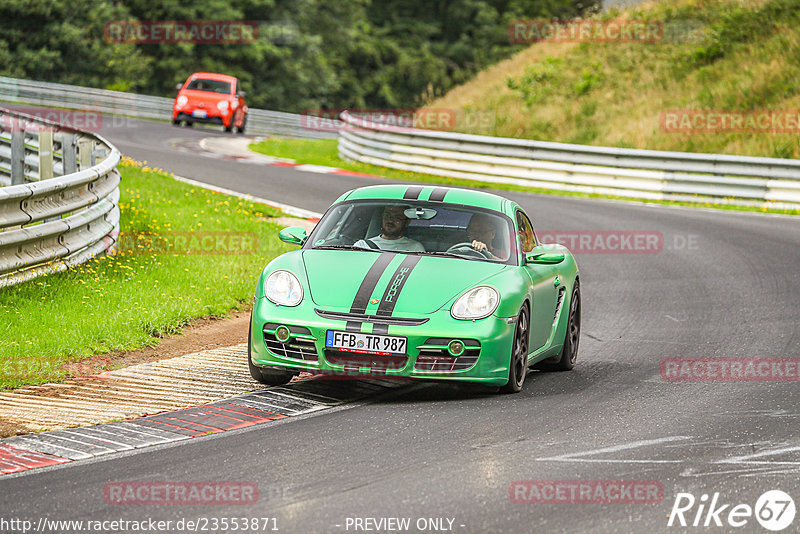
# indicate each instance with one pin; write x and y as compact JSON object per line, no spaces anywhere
{"x":366,"y":343}
{"x":200,"y":113}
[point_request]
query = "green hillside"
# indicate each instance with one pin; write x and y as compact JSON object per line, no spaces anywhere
{"x":739,"y":57}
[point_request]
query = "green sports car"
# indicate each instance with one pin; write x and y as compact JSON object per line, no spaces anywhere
{"x":417,"y":282}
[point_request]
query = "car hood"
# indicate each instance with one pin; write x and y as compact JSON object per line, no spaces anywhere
{"x":335,"y":277}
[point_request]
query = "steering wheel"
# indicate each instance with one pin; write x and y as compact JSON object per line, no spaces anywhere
{"x":466,"y":247}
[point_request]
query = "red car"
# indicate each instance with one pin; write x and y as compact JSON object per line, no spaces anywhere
{"x":212,"y":99}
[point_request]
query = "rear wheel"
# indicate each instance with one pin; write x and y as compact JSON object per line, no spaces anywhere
{"x":268,"y":377}
{"x":569,"y":352}
{"x":518,"y":366}
{"x":244,"y":124}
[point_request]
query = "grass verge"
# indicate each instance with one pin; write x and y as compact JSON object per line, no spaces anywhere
{"x":184,"y":253}
{"x":325,"y":152}
{"x":735,"y":56}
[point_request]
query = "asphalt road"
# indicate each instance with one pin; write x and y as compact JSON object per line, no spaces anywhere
{"x":156,"y":143}
{"x":724,"y":285}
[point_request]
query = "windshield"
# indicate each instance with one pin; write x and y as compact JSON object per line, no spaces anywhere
{"x":417,"y":227}
{"x":212,"y":86}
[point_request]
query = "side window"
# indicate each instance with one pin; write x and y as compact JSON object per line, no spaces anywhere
{"x":526,"y":238}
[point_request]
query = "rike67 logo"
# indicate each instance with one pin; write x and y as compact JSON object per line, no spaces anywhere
{"x":774,"y":510}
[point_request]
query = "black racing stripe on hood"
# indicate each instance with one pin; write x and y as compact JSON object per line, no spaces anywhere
{"x":380,"y":329}
{"x":370,"y":281}
{"x":438,"y":194}
{"x":412,"y":193}
{"x":396,"y":284}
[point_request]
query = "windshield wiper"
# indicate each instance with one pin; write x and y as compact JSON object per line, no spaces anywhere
{"x":442,"y":253}
{"x":341,"y":247}
{"x":410,"y":253}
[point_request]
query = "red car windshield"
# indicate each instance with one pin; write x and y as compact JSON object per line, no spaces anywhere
{"x":212,"y":86}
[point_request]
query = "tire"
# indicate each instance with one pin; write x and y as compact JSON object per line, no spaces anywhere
{"x":244,"y":124}
{"x":518,"y":365}
{"x":268,"y":377}
{"x":572,"y":337}
{"x":176,"y":122}
{"x":188,"y":124}
{"x":231,"y":125}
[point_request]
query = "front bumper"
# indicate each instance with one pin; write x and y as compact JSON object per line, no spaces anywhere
{"x":211,"y":118}
{"x":486,"y":358}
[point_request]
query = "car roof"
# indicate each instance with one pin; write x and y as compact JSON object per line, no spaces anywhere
{"x":448,"y":195}
{"x":213,"y":76}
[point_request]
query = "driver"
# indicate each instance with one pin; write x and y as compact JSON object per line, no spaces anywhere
{"x":392,"y":237}
{"x":482,"y":230}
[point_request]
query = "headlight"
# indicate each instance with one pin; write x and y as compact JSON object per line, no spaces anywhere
{"x":222,"y":105}
{"x":283,"y":288}
{"x":477,"y":303}
{"x":182,"y":100}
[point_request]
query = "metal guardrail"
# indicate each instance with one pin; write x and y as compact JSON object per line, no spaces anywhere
{"x":259,"y":121}
{"x":645,"y":174}
{"x":59,"y":206}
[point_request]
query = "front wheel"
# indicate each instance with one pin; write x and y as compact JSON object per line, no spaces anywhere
{"x":572,"y":338}
{"x":518,"y":366}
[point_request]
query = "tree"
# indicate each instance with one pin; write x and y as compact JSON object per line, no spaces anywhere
{"x":308,"y":53}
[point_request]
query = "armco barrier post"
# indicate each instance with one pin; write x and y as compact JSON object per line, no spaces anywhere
{"x":85,"y":154}
{"x":68,"y":156}
{"x":17,"y":156}
{"x":45,"y":154}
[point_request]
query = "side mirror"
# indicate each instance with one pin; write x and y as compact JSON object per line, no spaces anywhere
{"x":546,"y":258}
{"x":294,"y":235}
{"x":178,"y":86}
{"x":240,"y":94}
